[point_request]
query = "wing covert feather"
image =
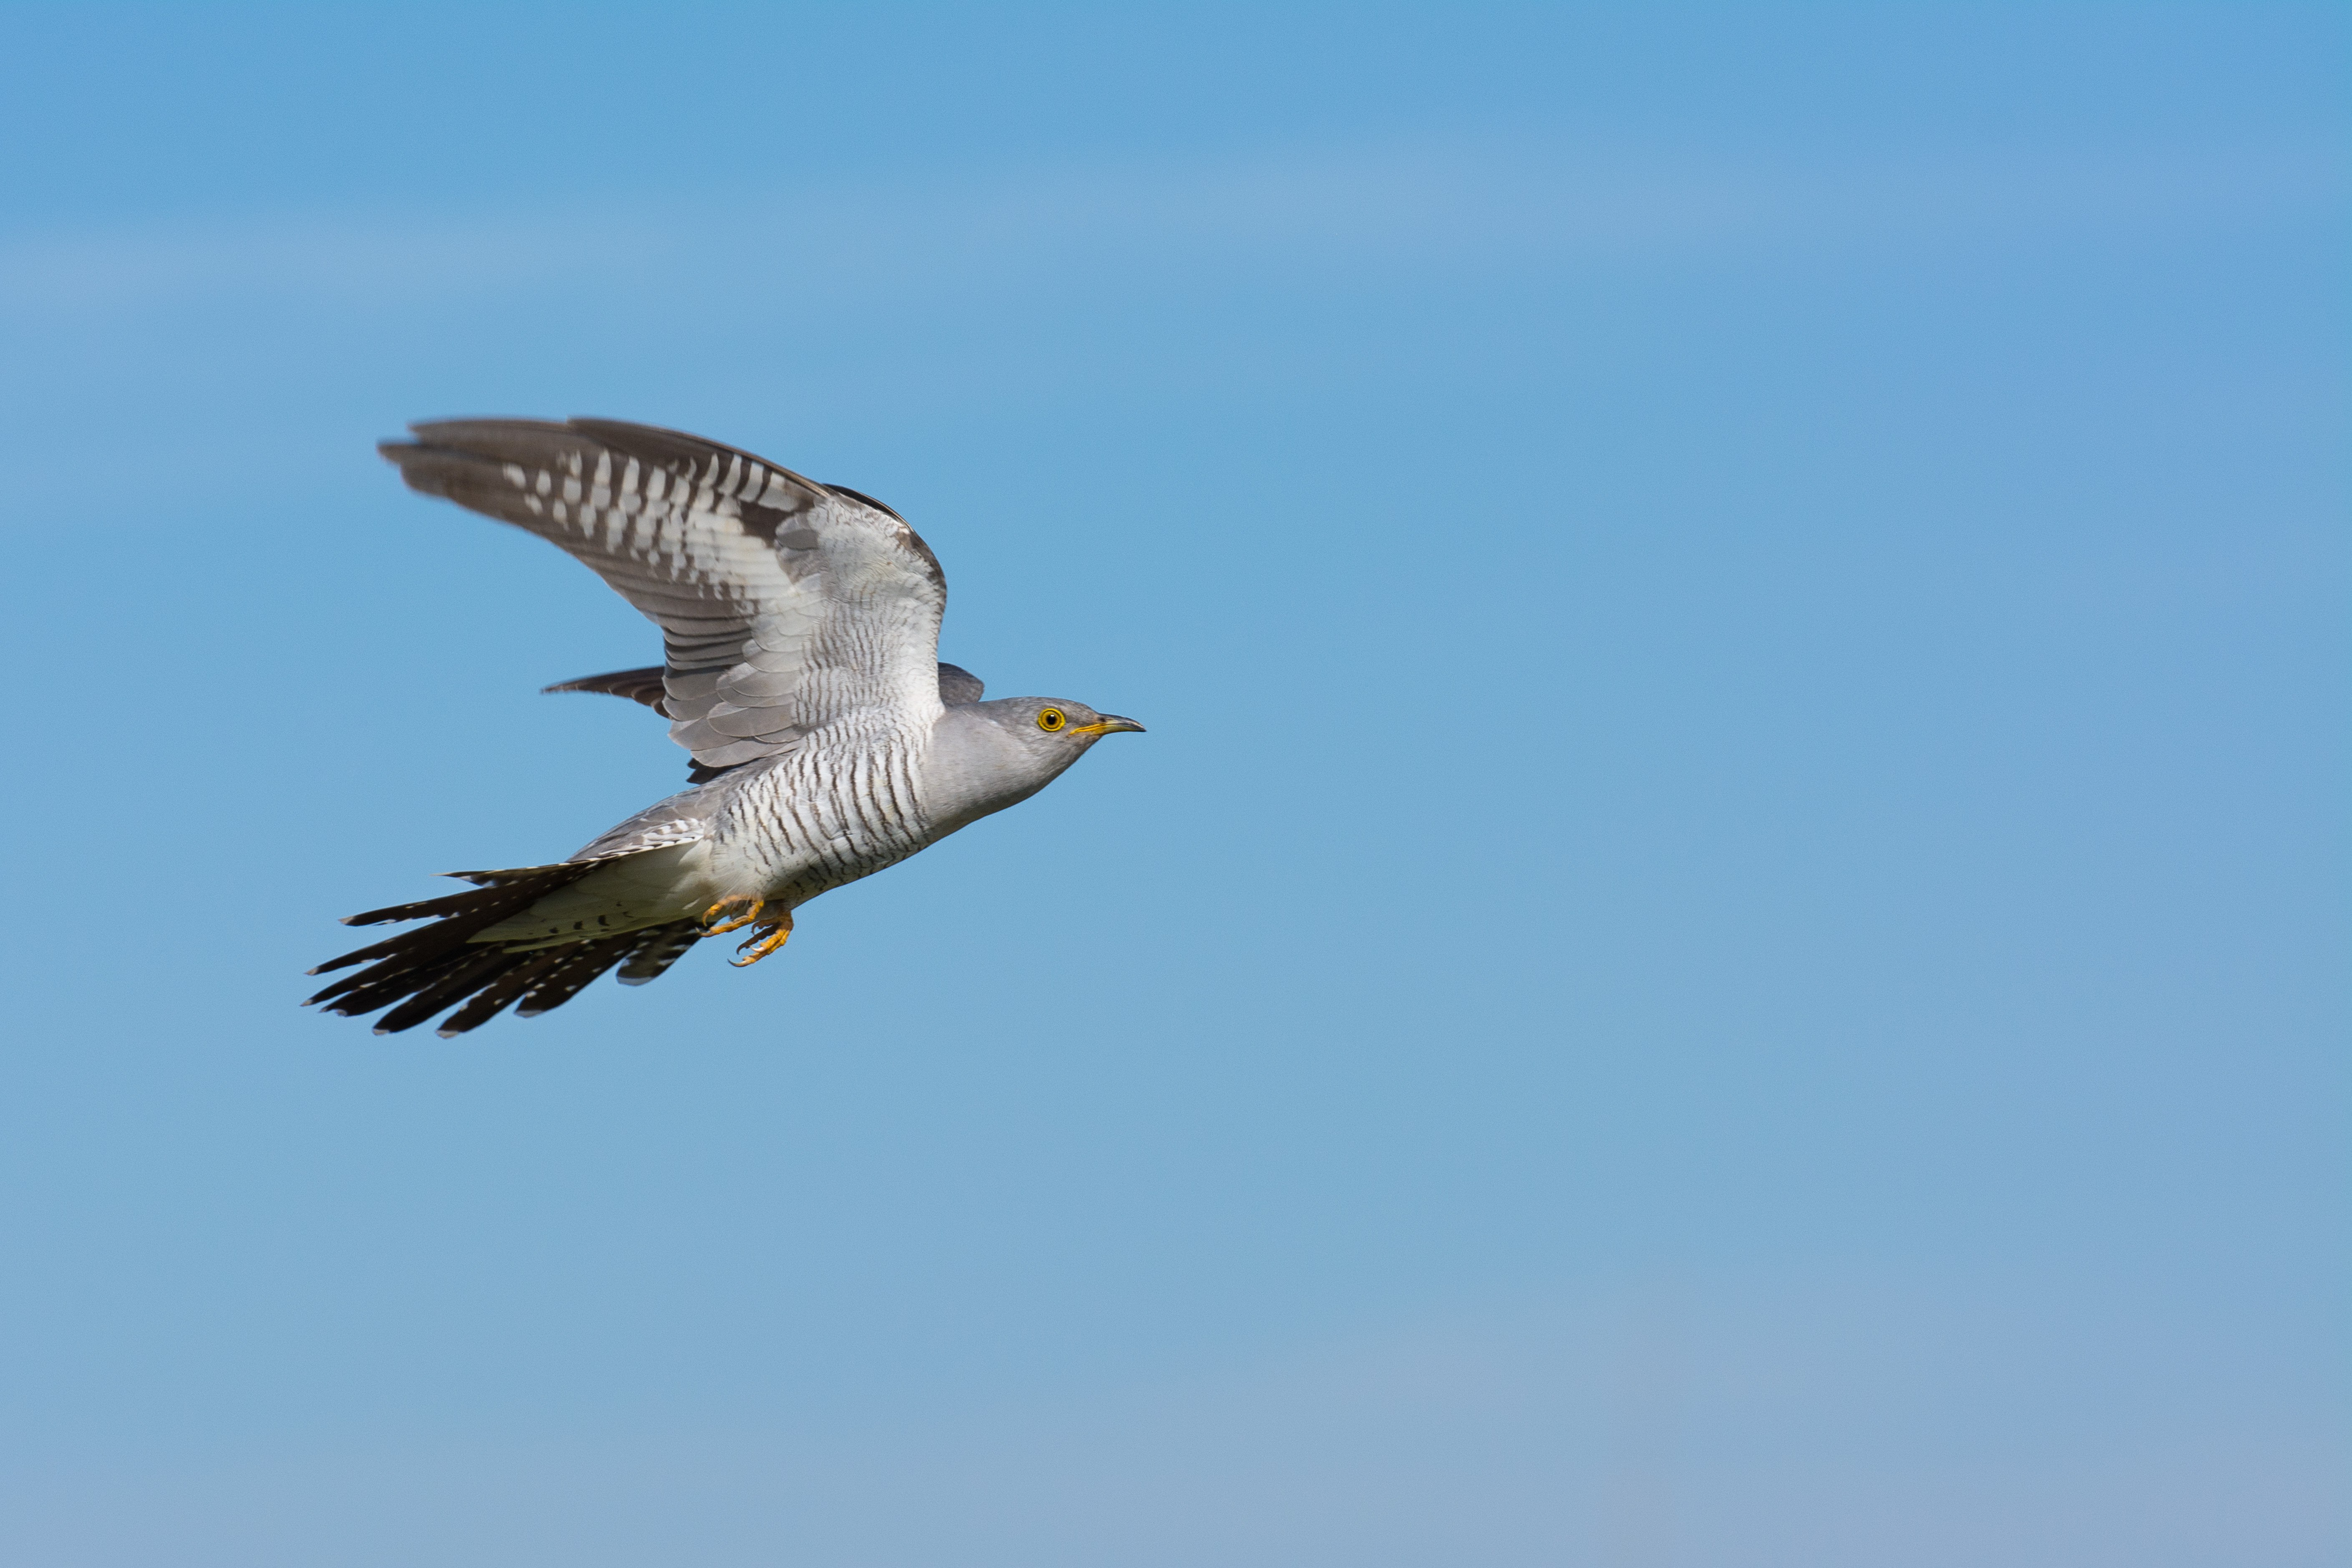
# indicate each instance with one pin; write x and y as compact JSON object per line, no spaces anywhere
{"x":783,"y":604}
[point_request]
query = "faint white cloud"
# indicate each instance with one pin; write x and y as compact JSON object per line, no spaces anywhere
{"x":337,"y":255}
{"x":1449,"y":206}
{"x":2039,"y":1421}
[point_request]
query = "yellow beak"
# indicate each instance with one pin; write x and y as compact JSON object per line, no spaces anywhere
{"x":1108,"y":725}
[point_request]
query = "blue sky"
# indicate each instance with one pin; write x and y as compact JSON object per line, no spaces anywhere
{"x":1727,"y":947}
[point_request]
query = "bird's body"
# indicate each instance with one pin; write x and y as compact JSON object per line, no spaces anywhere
{"x":801,"y":624}
{"x":845,"y":805}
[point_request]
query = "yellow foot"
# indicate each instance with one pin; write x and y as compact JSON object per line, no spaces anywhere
{"x":771,"y":937}
{"x":732,"y":913}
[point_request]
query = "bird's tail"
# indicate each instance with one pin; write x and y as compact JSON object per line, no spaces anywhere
{"x":419,"y":972}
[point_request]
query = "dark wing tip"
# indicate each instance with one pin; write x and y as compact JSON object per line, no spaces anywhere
{"x":864,"y":500}
{"x":644,"y":685}
{"x":959,"y":686}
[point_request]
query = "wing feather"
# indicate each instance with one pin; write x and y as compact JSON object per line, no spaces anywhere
{"x":638,"y":685}
{"x":783,"y":604}
{"x":957,"y":685}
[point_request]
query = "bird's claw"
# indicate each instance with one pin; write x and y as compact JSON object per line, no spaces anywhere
{"x":740,"y":909}
{"x":732,"y":913}
{"x":771,"y":937}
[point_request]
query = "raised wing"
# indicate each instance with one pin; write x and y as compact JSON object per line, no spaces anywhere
{"x":957,"y":685}
{"x":638,"y":685}
{"x":783,"y":604}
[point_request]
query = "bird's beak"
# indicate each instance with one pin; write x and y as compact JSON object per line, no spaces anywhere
{"x":1108,"y":725}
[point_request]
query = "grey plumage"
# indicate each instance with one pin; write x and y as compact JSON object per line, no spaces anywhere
{"x":645,"y":686}
{"x":800,"y":625}
{"x":638,"y":685}
{"x":737,"y":560}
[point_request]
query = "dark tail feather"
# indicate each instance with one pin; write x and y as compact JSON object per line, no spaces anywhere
{"x":419,"y":972}
{"x":471,"y":974}
{"x":540,"y":878}
{"x":581,"y":963}
{"x":367,"y":991}
{"x":413,"y":954}
{"x":492,"y":999}
{"x":666,"y":945}
{"x":462,"y":914}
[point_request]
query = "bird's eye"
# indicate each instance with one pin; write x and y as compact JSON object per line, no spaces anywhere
{"x":1051,"y":719}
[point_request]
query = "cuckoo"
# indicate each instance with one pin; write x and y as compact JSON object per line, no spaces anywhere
{"x":800,"y":670}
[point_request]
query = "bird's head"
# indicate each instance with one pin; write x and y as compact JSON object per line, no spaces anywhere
{"x":987,"y":755}
{"x":1055,"y":729}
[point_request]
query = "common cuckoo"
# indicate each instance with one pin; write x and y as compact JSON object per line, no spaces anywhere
{"x":799,"y":640}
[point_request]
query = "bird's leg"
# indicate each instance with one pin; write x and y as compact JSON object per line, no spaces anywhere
{"x":732,"y":913}
{"x":771,"y":936}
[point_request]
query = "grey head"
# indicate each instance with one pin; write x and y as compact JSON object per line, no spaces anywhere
{"x":1055,"y":729}
{"x":989,"y":755}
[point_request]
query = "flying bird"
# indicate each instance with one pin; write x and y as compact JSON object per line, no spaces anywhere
{"x":800,"y":670}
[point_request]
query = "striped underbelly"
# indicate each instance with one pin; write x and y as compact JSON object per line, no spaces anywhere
{"x":824,"y":817}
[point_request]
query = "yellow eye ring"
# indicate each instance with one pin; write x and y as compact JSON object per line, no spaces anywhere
{"x":1051,"y":719}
